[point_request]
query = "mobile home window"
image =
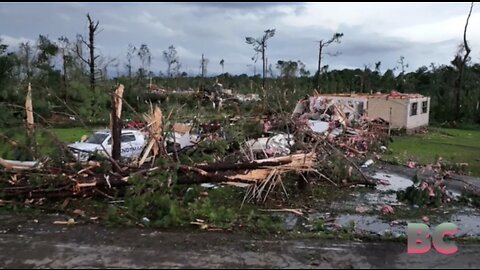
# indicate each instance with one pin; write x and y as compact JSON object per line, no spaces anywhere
{"x":414,"y":109}
{"x":424,"y":106}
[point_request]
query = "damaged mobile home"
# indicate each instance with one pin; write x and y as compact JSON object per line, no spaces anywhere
{"x":402,"y":111}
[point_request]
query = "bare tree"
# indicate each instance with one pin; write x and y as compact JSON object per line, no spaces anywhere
{"x":222,"y":63}
{"x":171,"y":59}
{"x":27,"y":57}
{"x":321,"y":45}
{"x":104,"y":63}
{"x":402,"y":64}
{"x":130,"y":53}
{"x":203,"y":66}
{"x":64,"y":48}
{"x":92,"y":31}
{"x":78,"y":50}
{"x":260,"y":46}
{"x":270,"y":71}
{"x":377,"y":66}
{"x":145,"y":58}
{"x":176,"y":68}
{"x":461,"y":62}
{"x":288,"y":69}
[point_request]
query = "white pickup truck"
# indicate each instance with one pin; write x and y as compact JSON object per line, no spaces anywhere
{"x":100,"y":142}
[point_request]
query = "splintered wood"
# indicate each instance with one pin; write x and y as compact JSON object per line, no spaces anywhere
{"x":155,"y":123}
{"x":117,"y":103}
{"x":115,"y":124}
{"x":29,"y":108}
{"x":297,"y":162}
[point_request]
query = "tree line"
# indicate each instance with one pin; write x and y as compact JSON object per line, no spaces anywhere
{"x":70,"y":78}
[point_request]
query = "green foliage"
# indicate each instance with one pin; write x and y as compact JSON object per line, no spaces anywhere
{"x":454,"y":146}
{"x":470,"y":198}
{"x":218,"y":215}
{"x":416,"y":196}
{"x":337,"y":168}
{"x":149,"y":199}
{"x":54,"y":85}
{"x":263,"y":223}
{"x":15,"y":144}
{"x":318,"y":225}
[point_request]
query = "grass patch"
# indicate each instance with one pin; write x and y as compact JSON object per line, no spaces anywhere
{"x":70,"y":135}
{"x":47,"y":141}
{"x":453,"y":145}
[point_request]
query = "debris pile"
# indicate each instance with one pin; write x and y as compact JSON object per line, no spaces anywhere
{"x":153,"y":88}
{"x":220,"y":96}
{"x":276,"y":145}
{"x":430,"y":188}
{"x":342,"y":123}
{"x":260,"y":164}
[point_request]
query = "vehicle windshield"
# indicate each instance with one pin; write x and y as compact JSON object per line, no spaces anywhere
{"x":97,"y":138}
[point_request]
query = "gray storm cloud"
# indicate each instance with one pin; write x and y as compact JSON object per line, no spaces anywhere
{"x":423,"y":33}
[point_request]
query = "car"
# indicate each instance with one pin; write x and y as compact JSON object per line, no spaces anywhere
{"x":100,"y":142}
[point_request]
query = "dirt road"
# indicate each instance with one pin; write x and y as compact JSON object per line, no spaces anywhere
{"x":26,"y":243}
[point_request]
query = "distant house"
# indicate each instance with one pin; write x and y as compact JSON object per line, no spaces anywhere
{"x":401,"y":110}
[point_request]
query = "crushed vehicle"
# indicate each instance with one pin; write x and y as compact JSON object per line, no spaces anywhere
{"x":100,"y":142}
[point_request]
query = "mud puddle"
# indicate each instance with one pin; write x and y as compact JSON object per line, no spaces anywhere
{"x":391,"y":182}
{"x":361,"y":211}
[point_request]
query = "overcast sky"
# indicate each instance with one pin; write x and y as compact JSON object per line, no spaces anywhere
{"x":421,"y":32}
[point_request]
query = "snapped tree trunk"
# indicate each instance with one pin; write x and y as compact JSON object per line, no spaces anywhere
{"x":30,"y":122}
{"x":92,"y":28}
{"x":263,"y":65}
{"x":29,"y":110}
{"x":116,"y":123}
{"x":319,"y":65}
{"x":92,"y":31}
{"x":459,"y":81}
{"x":64,"y":77}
